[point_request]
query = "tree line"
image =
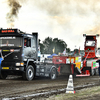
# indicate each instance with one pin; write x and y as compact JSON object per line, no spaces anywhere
{"x":50,"y":46}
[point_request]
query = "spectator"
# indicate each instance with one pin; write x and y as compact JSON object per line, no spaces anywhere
{"x":1,"y":59}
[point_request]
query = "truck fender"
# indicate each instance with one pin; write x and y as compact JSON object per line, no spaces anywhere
{"x":29,"y":60}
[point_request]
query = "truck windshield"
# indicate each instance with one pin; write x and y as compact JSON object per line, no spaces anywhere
{"x":10,"y":41}
{"x":90,"y":43}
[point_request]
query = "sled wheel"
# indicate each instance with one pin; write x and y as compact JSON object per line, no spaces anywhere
{"x":97,"y":71}
{"x":92,"y":72}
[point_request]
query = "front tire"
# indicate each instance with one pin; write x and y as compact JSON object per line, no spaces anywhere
{"x":53,"y":73}
{"x":29,"y":74}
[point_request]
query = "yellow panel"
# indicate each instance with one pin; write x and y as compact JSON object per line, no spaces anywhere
{"x":5,"y":67}
{"x":6,"y":50}
{"x":78,"y":64}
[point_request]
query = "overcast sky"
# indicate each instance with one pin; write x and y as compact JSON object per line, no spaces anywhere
{"x":63,"y":19}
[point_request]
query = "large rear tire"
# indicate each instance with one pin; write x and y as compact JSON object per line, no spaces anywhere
{"x":29,"y":74}
{"x":53,"y":73}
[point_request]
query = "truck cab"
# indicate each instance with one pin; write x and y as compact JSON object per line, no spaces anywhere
{"x":90,"y":46}
{"x":19,"y":52}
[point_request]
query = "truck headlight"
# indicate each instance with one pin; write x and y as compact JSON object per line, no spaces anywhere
{"x":19,"y":64}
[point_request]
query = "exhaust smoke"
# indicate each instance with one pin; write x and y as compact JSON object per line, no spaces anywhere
{"x":14,"y":10}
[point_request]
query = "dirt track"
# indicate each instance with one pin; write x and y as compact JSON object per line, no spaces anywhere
{"x":16,"y":86}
